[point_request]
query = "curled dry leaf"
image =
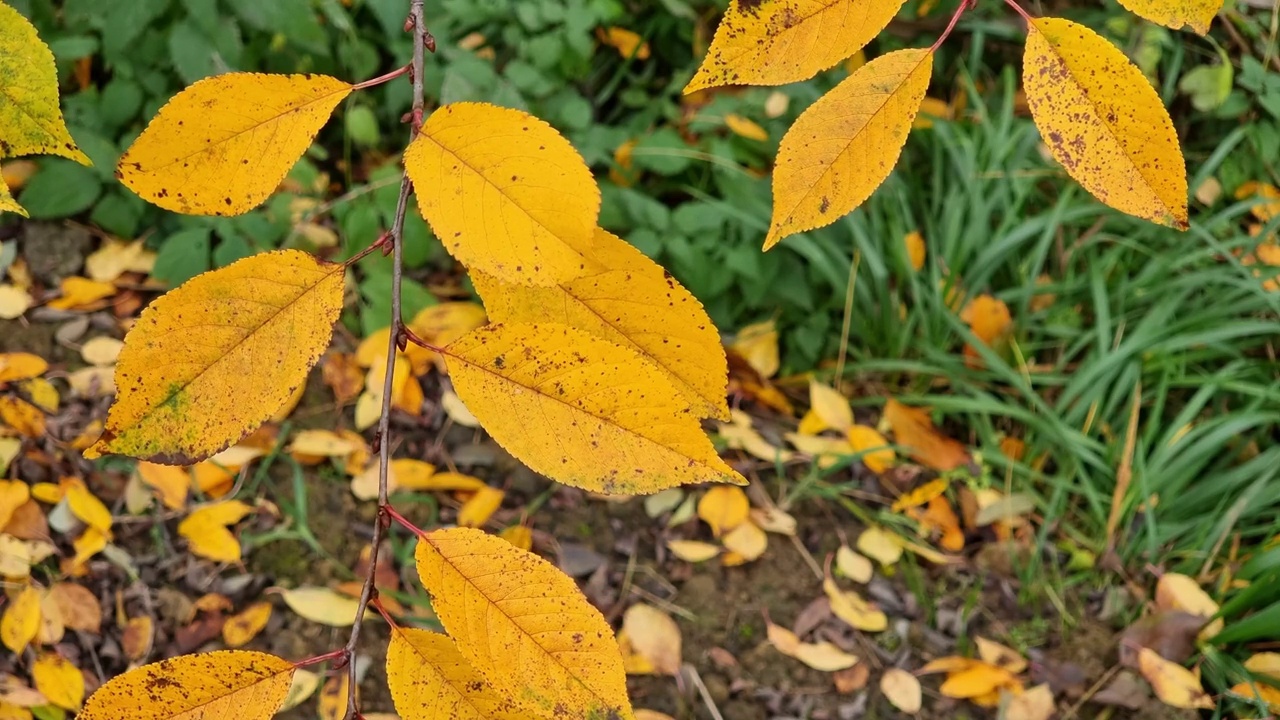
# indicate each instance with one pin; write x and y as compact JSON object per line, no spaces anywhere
{"x":181,"y":401}
{"x":1104,"y":122}
{"x":692,"y":550}
{"x":724,"y":508}
{"x":635,"y":432}
{"x":1173,"y":684}
{"x":511,"y":196}
{"x":223,"y":144}
{"x":902,"y":689}
{"x":227,"y":683}
{"x":564,"y":652}
{"x":653,"y":638}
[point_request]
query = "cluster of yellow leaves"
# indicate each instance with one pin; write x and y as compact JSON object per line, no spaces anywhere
{"x":741,"y":529}
{"x":30,"y":118}
{"x":992,"y":679}
{"x":25,"y":397}
{"x":1103,"y":120}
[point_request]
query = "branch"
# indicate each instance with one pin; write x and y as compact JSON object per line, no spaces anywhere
{"x":420,"y":37}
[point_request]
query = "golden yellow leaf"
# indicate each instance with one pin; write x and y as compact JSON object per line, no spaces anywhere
{"x":880,"y":545}
{"x":440,"y":482}
{"x":243,"y":684}
{"x":170,"y":483}
{"x":758,"y":345}
{"x":60,"y":681}
{"x":322,"y":605}
{"x":85,"y":506}
{"x":820,"y":656}
{"x":211,"y":360}
{"x":844,"y":145}
{"x":633,"y":302}
{"x":626,"y":42}
{"x":206,"y":530}
{"x":9,"y":711}
{"x":1176,"y":14}
{"x":246,"y":624}
{"x":13,"y":495}
{"x":22,"y":416}
{"x":30,"y":117}
{"x":852,"y":565}
{"x":78,"y":606}
{"x":541,"y":642}
{"x":13,"y":296}
{"x":117,"y":257}
{"x":938,"y":516}
{"x":1175,"y":591}
{"x":21,"y":620}
{"x":81,"y":294}
{"x":921,"y":495}
{"x":746,"y":542}
{"x":723,"y":508}
{"x":811,"y":424}
{"x":1266,"y":208}
{"x":1173,"y":684}
{"x":481,"y":506}
{"x":223,"y":144}
{"x":915,"y":249}
{"x":976,"y":680}
{"x":429,"y":679}
{"x":1260,"y":692}
{"x":877,"y":455}
{"x":830,"y":406}
{"x":42,"y":393}
{"x":1264,"y":663}
{"x":20,"y":366}
{"x":948,"y":664}
{"x":509,"y":195}
{"x":913,"y":428}
{"x":632,"y":431}
{"x":776,"y":42}
{"x":744,"y":127}
{"x":902,"y":689}
{"x":850,"y":607}
{"x":519,"y":535}
{"x":654,"y":636}
{"x":692,"y":551}
{"x":1104,"y":122}
{"x":332,"y":703}
{"x":1002,"y":656}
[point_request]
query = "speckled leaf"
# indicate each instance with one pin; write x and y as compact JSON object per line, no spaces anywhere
{"x":581,"y":410}
{"x":7,"y":203}
{"x":429,"y":679}
{"x":30,"y":119}
{"x":524,"y":625}
{"x":841,"y":148}
{"x":222,"y":145}
{"x":505,"y":193}
{"x":774,"y":42}
{"x":1103,"y":121}
{"x":631,"y":302}
{"x":1176,"y":14}
{"x":215,"y":358}
{"x":242,"y":684}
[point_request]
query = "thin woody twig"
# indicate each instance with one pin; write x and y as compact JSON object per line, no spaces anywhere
{"x":420,"y":34}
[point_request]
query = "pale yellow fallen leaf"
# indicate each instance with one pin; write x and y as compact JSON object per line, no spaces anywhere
{"x":457,"y":411}
{"x":322,"y":605}
{"x":758,"y":345}
{"x":692,"y":550}
{"x":101,"y":351}
{"x":723,"y":507}
{"x":1002,"y":656}
{"x":852,"y":565}
{"x":654,"y":636}
{"x":304,"y":685}
{"x":14,"y":301}
{"x":746,"y":540}
{"x":1034,"y":704}
{"x":774,"y":520}
{"x":1173,"y":684}
{"x":830,"y":406}
{"x":850,"y":607}
{"x":902,"y":689}
{"x":1179,"y":592}
{"x":880,"y":545}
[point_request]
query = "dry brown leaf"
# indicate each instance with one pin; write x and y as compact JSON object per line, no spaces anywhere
{"x":139,"y":634}
{"x":902,"y":689}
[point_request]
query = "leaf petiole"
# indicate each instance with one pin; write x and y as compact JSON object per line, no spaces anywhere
{"x":374,"y":82}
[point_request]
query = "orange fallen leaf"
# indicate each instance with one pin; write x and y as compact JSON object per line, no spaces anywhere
{"x":877,"y":455}
{"x":914,"y":430}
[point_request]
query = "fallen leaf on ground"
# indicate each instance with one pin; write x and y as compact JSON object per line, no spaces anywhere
{"x":332,"y":701}
{"x":1259,"y":692}
{"x":745,"y":543}
{"x":902,"y":689}
{"x":1179,"y":592}
{"x":1173,"y":684}
{"x":830,"y":406}
{"x":852,"y":565}
{"x":21,"y":620}
{"x":101,"y":351}
{"x":880,"y":545}
{"x":457,"y":411}
{"x":481,"y":506}
{"x":653,"y":637}
{"x":773,"y":520}
{"x":1264,"y":663}
{"x":60,"y":681}
{"x":827,"y":451}
{"x":206,"y":529}
{"x":692,"y":550}
{"x":171,"y":483}
{"x":139,"y":633}
{"x":850,"y":607}
{"x":1002,"y":656}
{"x":724,"y":507}
{"x":244,"y":626}
{"x":758,"y":345}
{"x":851,"y":679}
{"x":939,"y":517}
{"x":322,"y":605}
{"x":976,"y":680}
{"x":1034,"y":704}
{"x":921,"y":495}
{"x":866,"y":440}
{"x":913,"y":429}
{"x":304,"y":685}
{"x":81,"y":294}
{"x":85,"y":506}
{"x":739,"y":436}
{"x":820,"y":656}
{"x":78,"y":606}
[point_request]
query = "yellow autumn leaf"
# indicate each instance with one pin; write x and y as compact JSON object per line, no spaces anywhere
{"x":566,"y":658}
{"x":1175,"y":591}
{"x":844,"y":145}
{"x":81,"y":294}
{"x":1176,"y":14}
{"x":902,"y":689}
{"x":170,"y":483}
{"x":59,"y":681}
{"x":1173,"y":684}
{"x":322,"y":605}
{"x":85,"y":506}
{"x":852,"y":565}
{"x":914,"y":430}
{"x":692,"y":551}
{"x":724,"y":508}
{"x":914,"y":243}
{"x":626,"y":42}
{"x":630,"y":301}
{"x":830,"y":406}
{"x":1259,"y":692}
{"x":757,"y":343}
{"x":208,"y":362}
{"x":429,"y":679}
{"x":785,"y":41}
{"x":823,"y":656}
{"x":30,"y":117}
{"x":481,"y":506}
{"x":519,"y":535}
{"x":1104,"y":122}
{"x":880,"y":545}
{"x":653,"y":637}
{"x":1002,"y":656}
{"x":206,"y":530}
{"x":8,"y":204}
{"x":632,"y":431}
{"x":13,"y":495}
{"x":850,"y":607}
{"x":22,"y":416}
{"x":21,"y":366}
{"x":975,"y":680}
{"x":21,"y":620}
{"x":921,"y":495}
{"x":223,"y":144}
{"x":745,"y":543}
{"x":509,"y":195}
{"x":745,"y":127}
{"x":243,"y":684}
{"x":246,"y":624}
{"x":877,"y":455}
{"x":332,"y":702}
